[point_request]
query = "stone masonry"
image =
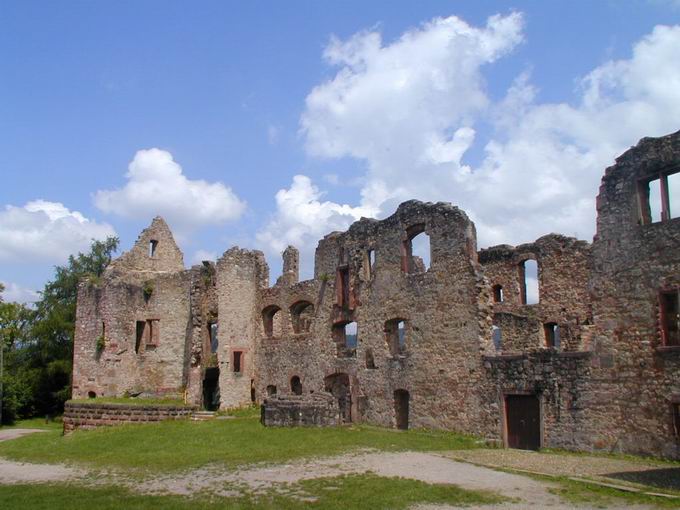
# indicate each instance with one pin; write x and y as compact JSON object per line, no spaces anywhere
{"x":589,"y":360}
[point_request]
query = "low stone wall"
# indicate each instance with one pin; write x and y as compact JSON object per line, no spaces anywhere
{"x":317,"y":409}
{"x":80,"y":415}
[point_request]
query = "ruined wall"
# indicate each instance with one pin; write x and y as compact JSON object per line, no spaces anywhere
{"x":110,"y":356}
{"x":634,"y":259}
{"x":318,"y":409}
{"x":91,"y":415}
{"x":240,"y":276}
{"x":563,"y":273}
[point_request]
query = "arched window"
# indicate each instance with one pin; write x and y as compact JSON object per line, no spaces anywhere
{"x":497,"y":293}
{"x":416,"y":254}
{"x":528,"y":272}
{"x":296,"y":385}
{"x":301,"y":314}
{"x":272,"y":321}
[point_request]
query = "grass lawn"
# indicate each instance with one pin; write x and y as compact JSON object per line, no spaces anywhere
{"x":581,"y":493}
{"x":35,"y":423}
{"x":177,"y":445}
{"x":337,"y":493}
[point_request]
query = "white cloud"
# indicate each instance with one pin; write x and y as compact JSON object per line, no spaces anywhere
{"x":273,"y":134}
{"x":201,"y":255}
{"x":157,"y":186}
{"x":302,"y":219}
{"x":410,"y":110}
{"x":16,"y":293}
{"x":46,"y":231}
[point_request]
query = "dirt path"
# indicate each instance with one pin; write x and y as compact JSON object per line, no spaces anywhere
{"x":6,"y":434}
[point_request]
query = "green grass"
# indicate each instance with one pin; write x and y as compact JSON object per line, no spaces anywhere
{"x":612,"y":455}
{"x":337,"y":493}
{"x":131,"y":401}
{"x":602,"y":497}
{"x":176,"y":445}
{"x":35,"y":423}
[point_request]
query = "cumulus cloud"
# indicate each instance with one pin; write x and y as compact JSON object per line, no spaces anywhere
{"x":302,"y":218}
{"x":411,"y":109}
{"x":156,"y":185}
{"x":16,"y":293}
{"x":46,"y":231}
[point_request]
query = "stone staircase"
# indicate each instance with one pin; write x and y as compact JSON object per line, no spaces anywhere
{"x":203,"y":415}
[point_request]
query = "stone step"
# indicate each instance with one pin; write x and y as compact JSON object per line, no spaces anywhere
{"x":203,"y":415}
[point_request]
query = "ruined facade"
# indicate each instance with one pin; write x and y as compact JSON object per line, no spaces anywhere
{"x":587,"y":359}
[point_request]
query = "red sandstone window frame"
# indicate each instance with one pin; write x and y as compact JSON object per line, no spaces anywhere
{"x":643,"y":192}
{"x":669,"y":337}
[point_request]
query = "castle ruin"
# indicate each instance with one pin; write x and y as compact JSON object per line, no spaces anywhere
{"x":594,"y":364}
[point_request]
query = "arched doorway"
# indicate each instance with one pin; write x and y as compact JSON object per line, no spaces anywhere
{"x":338,"y":386}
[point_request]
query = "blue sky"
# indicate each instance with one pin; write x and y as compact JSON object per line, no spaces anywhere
{"x":268,"y":123}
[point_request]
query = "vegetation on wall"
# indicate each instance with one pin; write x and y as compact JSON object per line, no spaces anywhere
{"x":38,"y":340}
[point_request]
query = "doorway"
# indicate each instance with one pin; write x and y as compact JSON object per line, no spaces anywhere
{"x":401,"y":405}
{"x":523,"y":421}
{"x":211,"y":389}
{"x":338,"y":386}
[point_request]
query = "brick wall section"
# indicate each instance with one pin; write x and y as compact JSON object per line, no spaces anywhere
{"x":92,"y":415}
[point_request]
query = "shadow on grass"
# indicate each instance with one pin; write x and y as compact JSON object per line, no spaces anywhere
{"x":663,"y":478}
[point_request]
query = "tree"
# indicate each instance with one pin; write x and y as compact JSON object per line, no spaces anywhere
{"x":40,"y":360}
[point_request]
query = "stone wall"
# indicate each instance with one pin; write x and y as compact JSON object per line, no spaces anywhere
{"x":91,"y":415}
{"x":317,"y":409}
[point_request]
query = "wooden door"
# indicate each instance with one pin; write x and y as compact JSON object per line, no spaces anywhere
{"x":523,"y":420}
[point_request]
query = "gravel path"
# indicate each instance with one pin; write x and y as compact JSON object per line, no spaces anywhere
{"x":6,"y":434}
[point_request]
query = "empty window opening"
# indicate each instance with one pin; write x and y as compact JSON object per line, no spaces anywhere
{"x":395,"y":335}
{"x":660,"y":198}
{"x":346,"y":338}
{"x":301,"y":314}
{"x":91,"y":394}
{"x":370,"y":360}
{"x":153,"y":244}
{"x":342,"y":286}
{"x":401,"y":408}
{"x":528,"y":272}
{"x":416,"y":255}
{"x":675,"y":409}
{"x":238,"y":362}
{"x":369,"y":263}
{"x":497,"y":293}
{"x":139,"y":335}
{"x":497,"y":337}
{"x":253,"y":395}
{"x":271,"y":390}
{"x":214,"y":342}
{"x":670,"y":317}
{"x":272,"y":321}
{"x":552,"y":334}
{"x":296,"y":385}
{"x":152,"y":332}
{"x":674,"y":195}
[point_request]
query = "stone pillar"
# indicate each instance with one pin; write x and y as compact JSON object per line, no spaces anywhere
{"x":291,"y":267}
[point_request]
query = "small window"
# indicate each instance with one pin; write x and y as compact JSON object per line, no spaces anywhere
{"x":272,"y":321}
{"x":369,"y":264}
{"x":238,"y":362}
{"x":675,"y":409}
{"x":497,"y":293}
{"x":395,"y":335}
{"x":497,"y":337}
{"x":296,"y":385}
{"x":153,"y":244}
{"x":552,"y":334}
{"x":416,"y":252}
{"x":301,"y":314}
{"x":139,"y":335}
{"x":670,"y":317}
{"x":346,"y":338}
{"x":91,"y":394}
{"x":528,"y":272}
{"x":370,"y":361}
{"x":214,"y":342}
{"x":271,"y":390}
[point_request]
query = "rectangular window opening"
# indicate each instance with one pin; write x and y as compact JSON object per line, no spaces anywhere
{"x":670,"y":318}
{"x":674,"y":195}
{"x":552,"y":334}
{"x":214,"y":343}
{"x":238,"y":362}
{"x":153,"y":244}
{"x":675,"y":407}
{"x":139,"y":335}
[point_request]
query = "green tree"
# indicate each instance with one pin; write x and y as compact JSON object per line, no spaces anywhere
{"x":40,"y":362}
